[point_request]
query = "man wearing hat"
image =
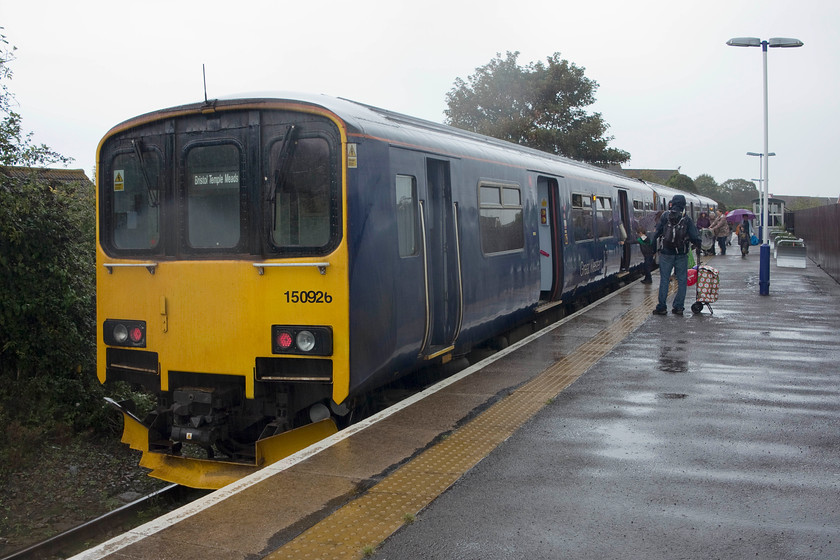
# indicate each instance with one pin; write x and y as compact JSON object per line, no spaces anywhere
{"x":674,"y":257}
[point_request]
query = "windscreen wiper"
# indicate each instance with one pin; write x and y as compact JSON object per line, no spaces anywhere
{"x":286,"y":152}
{"x":138,"y":151}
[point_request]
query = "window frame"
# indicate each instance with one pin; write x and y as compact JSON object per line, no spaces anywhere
{"x":582,"y":206}
{"x":402,"y":232}
{"x":604,"y":227}
{"x":108,"y":220}
{"x":500,"y":205}
{"x":241,"y":246}
{"x":307,"y":131}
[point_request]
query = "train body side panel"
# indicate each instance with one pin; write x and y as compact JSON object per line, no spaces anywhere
{"x":501,"y":289}
{"x":388,"y":312}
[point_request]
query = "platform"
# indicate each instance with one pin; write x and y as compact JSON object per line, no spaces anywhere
{"x":616,"y":434}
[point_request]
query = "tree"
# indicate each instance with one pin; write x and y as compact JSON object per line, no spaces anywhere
{"x":47,"y":303}
{"x":707,"y":186}
{"x":740,"y":191}
{"x":540,"y":105}
{"x":47,"y":289}
{"x":681,"y":182}
{"x":17,"y":148}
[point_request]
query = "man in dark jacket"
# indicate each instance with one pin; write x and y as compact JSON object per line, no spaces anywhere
{"x":675,"y":258}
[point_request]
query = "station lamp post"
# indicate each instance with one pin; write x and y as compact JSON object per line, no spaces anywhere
{"x":784,"y":42}
{"x":765,"y":197}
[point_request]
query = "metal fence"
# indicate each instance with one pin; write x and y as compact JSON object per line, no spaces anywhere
{"x":820,"y":228}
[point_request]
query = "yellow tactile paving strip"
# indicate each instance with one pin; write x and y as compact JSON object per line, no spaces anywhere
{"x":355,"y":530}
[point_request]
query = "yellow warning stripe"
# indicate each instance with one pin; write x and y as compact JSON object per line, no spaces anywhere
{"x":355,"y":530}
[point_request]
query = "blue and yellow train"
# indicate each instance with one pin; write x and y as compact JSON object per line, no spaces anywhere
{"x":263,"y":264}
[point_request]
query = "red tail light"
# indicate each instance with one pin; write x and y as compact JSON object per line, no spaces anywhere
{"x":301,"y":340}
{"x":284,"y":340}
{"x":118,"y":332}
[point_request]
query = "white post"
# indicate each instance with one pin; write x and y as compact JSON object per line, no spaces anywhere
{"x":765,"y":222}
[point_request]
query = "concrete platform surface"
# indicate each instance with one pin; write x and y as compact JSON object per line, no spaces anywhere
{"x":706,"y":436}
{"x":615,"y":434}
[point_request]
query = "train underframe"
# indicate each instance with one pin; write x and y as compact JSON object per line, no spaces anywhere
{"x":205,"y":433}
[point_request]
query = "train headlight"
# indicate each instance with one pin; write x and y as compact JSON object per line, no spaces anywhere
{"x":305,"y":341}
{"x":309,"y":340}
{"x":118,"y":332}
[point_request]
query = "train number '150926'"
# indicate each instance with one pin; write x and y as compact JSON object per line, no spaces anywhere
{"x":311,"y":296}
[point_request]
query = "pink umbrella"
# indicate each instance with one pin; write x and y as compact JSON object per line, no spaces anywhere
{"x":739,"y":214}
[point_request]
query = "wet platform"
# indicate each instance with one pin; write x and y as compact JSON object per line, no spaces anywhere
{"x":614,"y":434}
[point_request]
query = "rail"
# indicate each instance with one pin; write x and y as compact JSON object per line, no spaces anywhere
{"x":321,"y":266}
{"x":81,"y":535}
{"x":791,"y":253}
{"x":150,"y":266}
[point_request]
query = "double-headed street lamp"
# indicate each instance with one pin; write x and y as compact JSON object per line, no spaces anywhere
{"x":764,"y":266}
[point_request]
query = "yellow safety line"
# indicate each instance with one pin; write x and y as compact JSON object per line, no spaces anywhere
{"x":355,"y":530}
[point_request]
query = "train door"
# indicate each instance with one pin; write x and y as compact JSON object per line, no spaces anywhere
{"x":551,"y":245}
{"x":442,"y":254}
{"x":625,"y":228}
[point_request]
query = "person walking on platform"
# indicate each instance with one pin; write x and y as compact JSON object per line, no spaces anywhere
{"x":677,"y":232}
{"x":721,"y":229}
{"x":648,"y":250}
{"x":703,"y":221}
{"x":744,"y":233}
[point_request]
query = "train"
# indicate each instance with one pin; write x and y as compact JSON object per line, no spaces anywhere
{"x":266,"y":262}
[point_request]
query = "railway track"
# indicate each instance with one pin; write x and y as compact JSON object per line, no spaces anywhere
{"x":106,"y":526}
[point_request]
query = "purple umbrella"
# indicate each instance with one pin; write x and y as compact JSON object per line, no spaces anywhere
{"x":739,"y":214}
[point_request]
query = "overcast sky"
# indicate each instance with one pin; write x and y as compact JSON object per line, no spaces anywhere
{"x":674,"y":94}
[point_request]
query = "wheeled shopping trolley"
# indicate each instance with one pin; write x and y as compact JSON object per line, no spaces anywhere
{"x":708,"y":284}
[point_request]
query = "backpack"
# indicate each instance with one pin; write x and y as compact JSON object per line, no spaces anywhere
{"x":675,"y":231}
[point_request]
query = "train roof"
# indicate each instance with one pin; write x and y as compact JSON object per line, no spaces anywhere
{"x":398,"y":128}
{"x":669,"y":192}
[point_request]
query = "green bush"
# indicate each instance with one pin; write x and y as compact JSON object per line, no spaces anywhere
{"x":47,"y":306}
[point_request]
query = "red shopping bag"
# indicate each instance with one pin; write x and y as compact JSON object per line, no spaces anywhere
{"x":692,"y":276}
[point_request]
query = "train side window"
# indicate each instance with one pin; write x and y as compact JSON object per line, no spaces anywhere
{"x":638,"y":210}
{"x":213,"y":197}
{"x":303,"y":179}
{"x":500,"y":218}
{"x":406,"y":190}
{"x":135,"y":191}
{"x":582,"y":217}
{"x":604,"y":216}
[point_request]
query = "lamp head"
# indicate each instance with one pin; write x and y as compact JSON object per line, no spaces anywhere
{"x":785,"y":42}
{"x":744,"y":42}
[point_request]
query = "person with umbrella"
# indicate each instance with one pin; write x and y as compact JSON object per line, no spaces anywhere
{"x":743,"y":230}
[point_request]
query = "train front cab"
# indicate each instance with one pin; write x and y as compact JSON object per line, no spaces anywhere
{"x":224,"y":294}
